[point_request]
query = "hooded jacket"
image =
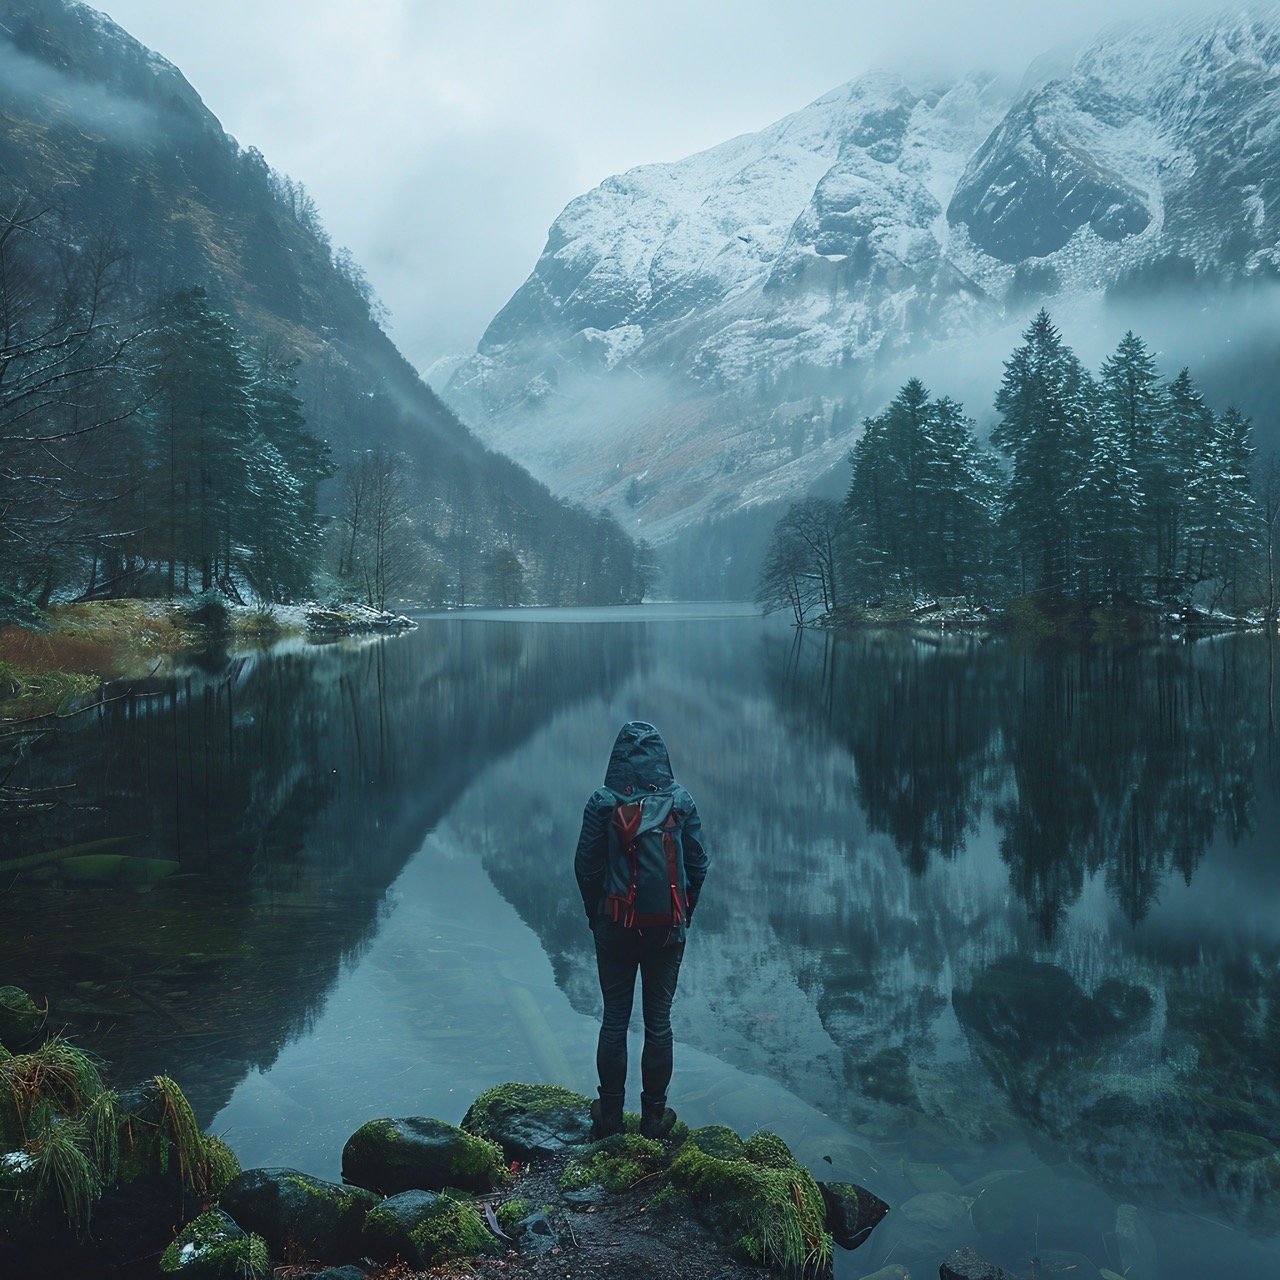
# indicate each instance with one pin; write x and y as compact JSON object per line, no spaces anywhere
{"x":638,"y":764}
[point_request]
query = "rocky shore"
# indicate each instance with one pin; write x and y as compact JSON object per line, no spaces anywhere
{"x":97,"y":1181}
{"x":93,"y":1180}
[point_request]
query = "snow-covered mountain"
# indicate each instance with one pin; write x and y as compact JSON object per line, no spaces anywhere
{"x":702,"y":337}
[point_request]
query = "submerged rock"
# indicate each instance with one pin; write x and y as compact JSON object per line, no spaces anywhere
{"x":425,"y":1229}
{"x":419,"y":1153}
{"x":290,"y":1209}
{"x":530,"y":1120}
{"x":853,"y":1212}
{"x":964,"y":1264}
{"x":926,"y":1225}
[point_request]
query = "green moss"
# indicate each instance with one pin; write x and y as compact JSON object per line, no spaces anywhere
{"x":510,"y":1212}
{"x":215,"y":1251}
{"x":503,"y":1099}
{"x":667,"y":1200}
{"x":221,"y":1163}
{"x":767,"y":1149}
{"x":341,"y":1200}
{"x":478,"y":1158}
{"x":456,"y":1232}
{"x":614,"y":1163}
{"x":755,"y":1196}
{"x":160,"y":1133}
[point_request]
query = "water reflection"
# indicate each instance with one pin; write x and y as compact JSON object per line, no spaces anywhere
{"x":972,"y":909}
{"x":289,"y":788}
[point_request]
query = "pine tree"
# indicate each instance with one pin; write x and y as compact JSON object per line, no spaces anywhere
{"x":921,"y":498}
{"x":282,"y":539}
{"x":1133,"y":399}
{"x":202,"y":416}
{"x":1044,"y":404}
{"x":1108,"y":511}
{"x":1190,"y":451}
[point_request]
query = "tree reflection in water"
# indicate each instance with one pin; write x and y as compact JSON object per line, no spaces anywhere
{"x":1153,"y":1061}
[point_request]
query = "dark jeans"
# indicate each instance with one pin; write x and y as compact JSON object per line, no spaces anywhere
{"x":620,"y":953}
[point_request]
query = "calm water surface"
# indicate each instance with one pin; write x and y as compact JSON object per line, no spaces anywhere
{"x":992,"y":931}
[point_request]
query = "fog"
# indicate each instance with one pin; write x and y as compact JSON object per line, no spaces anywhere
{"x":442,"y":141}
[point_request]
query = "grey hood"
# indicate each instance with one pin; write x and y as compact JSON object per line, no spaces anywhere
{"x":639,"y":760}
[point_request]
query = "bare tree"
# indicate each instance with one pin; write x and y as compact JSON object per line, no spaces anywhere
{"x":799,"y":571}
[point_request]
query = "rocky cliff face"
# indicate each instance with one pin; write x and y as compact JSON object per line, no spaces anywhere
{"x":700,"y":338}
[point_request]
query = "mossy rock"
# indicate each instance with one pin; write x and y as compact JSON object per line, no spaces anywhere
{"x":159,"y":1136}
{"x":853,"y":1212}
{"x":756,"y":1198}
{"x":425,"y":1229}
{"x":530,"y":1120}
{"x":614,"y":1163}
{"x":20,"y":1018}
{"x":213,"y":1247}
{"x":419,"y":1153}
{"x":221,"y":1163}
{"x":292,"y":1211}
{"x":510,"y":1213}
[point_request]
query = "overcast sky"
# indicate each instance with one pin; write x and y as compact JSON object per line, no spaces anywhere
{"x":441,"y":139}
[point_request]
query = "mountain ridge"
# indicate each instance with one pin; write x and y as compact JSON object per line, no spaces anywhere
{"x":699,"y":338}
{"x":115,"y":138}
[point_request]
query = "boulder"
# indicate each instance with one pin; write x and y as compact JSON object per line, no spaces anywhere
{"x":20,"y":1018}
{"x":964,"y":1264}
{"x":213,"y":1247}
{"x":755,"y":1198}
{"x":293,"y":1211}
{"x":928,"y":1224}
{"x":530,"y":1120}
{"x":419,"y":1153}
{"x":534,"y":1234}
{"x":425,"y":1229}
{"x":852,"y":1212}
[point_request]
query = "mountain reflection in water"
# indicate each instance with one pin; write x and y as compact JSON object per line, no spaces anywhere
{"x":985,"y":908}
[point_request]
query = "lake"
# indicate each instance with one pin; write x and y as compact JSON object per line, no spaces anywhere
{"x":992,"y":930}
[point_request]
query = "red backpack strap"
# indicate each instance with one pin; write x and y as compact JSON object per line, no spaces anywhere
{"x":626,"y":823}
{"x":669,"y":848}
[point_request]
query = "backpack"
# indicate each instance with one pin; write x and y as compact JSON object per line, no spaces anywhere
{"x":644,"y":882}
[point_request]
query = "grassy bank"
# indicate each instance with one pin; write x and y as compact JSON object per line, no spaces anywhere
{"x":75,"y":647}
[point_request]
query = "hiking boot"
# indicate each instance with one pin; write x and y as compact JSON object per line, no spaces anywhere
{"x":656,"y":1120}
{"x":606,"y":1118}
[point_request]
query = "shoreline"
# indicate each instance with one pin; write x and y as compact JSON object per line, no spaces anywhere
{"x":75,"y":648}
{"x":1052,"y":621}
{"x":524,"y":1187}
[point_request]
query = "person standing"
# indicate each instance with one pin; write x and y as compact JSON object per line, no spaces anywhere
{"x":640,"y":865}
